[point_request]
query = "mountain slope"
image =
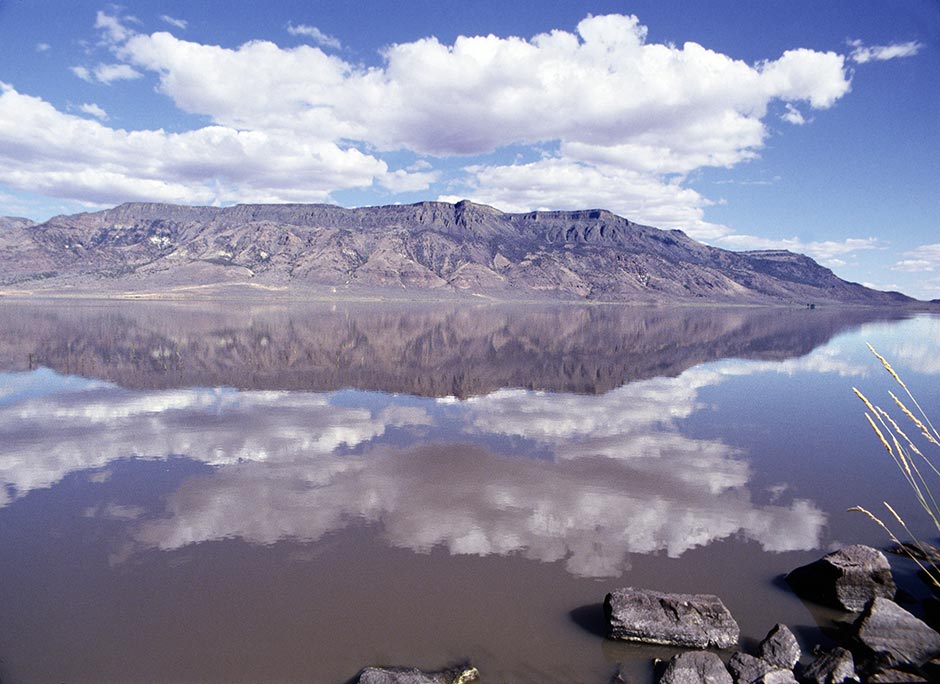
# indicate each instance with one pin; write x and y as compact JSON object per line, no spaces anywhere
{"x":445,"y":249}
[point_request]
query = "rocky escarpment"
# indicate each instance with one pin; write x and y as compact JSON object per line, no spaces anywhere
{"x":431,"y":247}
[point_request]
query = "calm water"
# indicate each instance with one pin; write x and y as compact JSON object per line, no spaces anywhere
{"x":237,"y":494}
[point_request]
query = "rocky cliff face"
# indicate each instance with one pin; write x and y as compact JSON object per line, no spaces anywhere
{"x":444,"y":249}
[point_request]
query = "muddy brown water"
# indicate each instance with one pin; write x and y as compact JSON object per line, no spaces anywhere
{"x":208,"y":493}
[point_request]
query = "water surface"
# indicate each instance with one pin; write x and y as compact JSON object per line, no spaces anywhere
{"x":203,"y":493}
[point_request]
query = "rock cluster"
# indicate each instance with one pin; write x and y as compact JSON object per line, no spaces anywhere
{"x":886,"y":644}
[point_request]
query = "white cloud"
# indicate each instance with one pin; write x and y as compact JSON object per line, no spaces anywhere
{"x":172,"y":21}
{"x":863,"y":53}
{"x":806,"y":75}
{"x":43,"y":47}
{"x":821,"y":250}
{"x":315,"y":34}
{"x":46,"y":151}
{"x":929,"y":252}
{"x":408,"y":181}
{"x":108,"y":73}
{"x":82,"y":72}
{"x":561,"y":184}
{"x":113,"y":27}
{"x":914,"y":265}
{"x":626,"y":120}
{"x":793,"y":115}
{"x":922,"y":259}
{"x":94,"y":110}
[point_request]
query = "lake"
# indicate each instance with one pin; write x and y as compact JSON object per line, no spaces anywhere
{"x":226,"y":492}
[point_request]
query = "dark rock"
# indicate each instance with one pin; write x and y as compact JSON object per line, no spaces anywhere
{"x":835,"y":667}
{"x":895,"y":677}
{"x":696,"y":667}
{"x":690,"y":620}
{"x":405,"y":675}
{"x":780,"y":676}
{"x":847,"y":579}
{"x":780,"y":648}
{"x":895,"y":638}
{"x":931,"y":670}
{"x":746,"y":669}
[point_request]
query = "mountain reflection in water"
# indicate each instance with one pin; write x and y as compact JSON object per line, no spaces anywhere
{"x":430,"y":350}
{"x":584,"y":478}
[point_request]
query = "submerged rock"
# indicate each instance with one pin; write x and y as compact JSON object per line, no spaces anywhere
{"x":690,"y":620}
{"x":696,"y":667}
{"x":780,"y":648}
{"x":835,"y":667}
{"x":894,"y":638}
{"x":847,"y":579}
{"x":405,"y":675}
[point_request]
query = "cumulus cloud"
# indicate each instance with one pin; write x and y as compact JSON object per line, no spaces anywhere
{"x":50,"y":152}
{"x":315,"y":34}
{"x":863,"y":53}
{"x":625,"y":120}
{"x":823,"y":250}
{"x":113,"y":27}
{"x":106,"y":73}
{"x":558,"y":183}
{"x":43,"y":47}
{"x":793,"y":115}
{"x":94,"y":110}
{"x":82,"y":72}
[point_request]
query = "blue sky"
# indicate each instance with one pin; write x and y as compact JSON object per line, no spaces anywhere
{"x":750,"y":125}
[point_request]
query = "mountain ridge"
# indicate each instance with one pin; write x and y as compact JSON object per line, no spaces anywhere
{"x":428,"y":248}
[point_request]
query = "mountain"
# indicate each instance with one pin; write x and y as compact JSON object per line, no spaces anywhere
{"x":428,"y":249}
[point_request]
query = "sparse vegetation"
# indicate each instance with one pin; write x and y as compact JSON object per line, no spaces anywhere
{"x":917,"y":468}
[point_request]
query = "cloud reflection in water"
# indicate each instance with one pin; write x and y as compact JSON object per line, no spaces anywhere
{"x":621,"y":477}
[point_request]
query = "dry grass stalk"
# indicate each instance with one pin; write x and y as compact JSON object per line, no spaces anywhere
{"x":901,"y":448}
{"x":930,"y":569}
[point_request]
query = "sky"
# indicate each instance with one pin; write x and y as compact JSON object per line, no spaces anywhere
{"x":792,"y":124}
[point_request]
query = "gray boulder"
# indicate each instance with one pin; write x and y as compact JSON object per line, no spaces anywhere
{"x":696,"y":667}
{"x":893,"y":637}
{"x":405,"y":675}
{"x":689,"y":620}
{"x":834,"y":667}
{"x":780,"y":648}
{"x":847,"y":579}
{"x":746,"y":669}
